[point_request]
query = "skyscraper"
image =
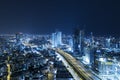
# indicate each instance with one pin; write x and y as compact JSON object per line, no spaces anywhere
{"x":56,"y":39}
{"x":59,"y":38}
{"x":108,"y":42}
{"x":78,"y":41}
{"x":53,"y":40}
{"x":81,"y":42}
{"x":18,"y":37}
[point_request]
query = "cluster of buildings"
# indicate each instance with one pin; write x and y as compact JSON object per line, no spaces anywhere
{"x":100,"y":54}
{"x":26,"y":57}
{"x":25,"y":52}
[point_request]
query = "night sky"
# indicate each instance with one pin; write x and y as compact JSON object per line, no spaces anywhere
{"x":102,"y":17}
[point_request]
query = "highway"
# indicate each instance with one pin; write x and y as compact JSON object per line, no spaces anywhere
{"x":81,"y":71}
{"x":69,"y":68}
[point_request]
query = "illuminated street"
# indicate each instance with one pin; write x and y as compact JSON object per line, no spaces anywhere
{"x":70,"y":69}
{"x":78,"y":69}
{"x":9,"y":72}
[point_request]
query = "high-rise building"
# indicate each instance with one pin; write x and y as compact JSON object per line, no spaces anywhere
{"x":71,"y":42}
{"x":78,"y":42}
{"x":81,"y":42}
{"x":18,"y":37}
{"x":108,"y":43}
{"x":86,"y":57}
{"x":59,"y":38}
{"x":56,"y":39}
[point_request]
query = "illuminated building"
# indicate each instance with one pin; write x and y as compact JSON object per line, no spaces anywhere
{"x":18,"y":37}
{"x":81,"y":41}
{"x":53,"y":40}
{"x":108,"y":43}
{"x":71,"y":43}
{"x":78,"y":42}
{"x":59,"y":38}
{"x":56,"y":39}
{"x":86,"y":57}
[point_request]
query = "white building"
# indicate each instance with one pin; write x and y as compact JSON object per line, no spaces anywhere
{"x":86,"y":57}
{"x":56,"y":39}
{"x":59,"y":38}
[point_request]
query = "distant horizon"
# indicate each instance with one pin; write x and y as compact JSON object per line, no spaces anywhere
{"x":102,"y":17}
{"x":50,"y":33}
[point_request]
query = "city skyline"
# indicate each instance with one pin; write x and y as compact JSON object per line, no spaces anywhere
{"x":43,"y":17}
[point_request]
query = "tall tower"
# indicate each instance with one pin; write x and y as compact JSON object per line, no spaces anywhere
{"x":18,"y":37}
{"x":56,"y":39}
{"x":59,"y":38}
{"x":71,"y":42}
{"x":81,"y":42}
{"x":53,"y":40}
{"x":108,"y":42}
{"x":78,"y":41}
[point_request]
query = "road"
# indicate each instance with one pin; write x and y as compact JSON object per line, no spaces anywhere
{"x":79,"y":69}
{"x":69,"y":68}
{"x":8,"y":69}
